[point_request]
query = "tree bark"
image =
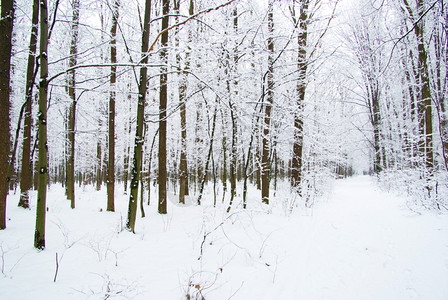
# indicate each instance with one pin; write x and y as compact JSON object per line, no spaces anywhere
{"x":232,"y":107}
{"x":302,"y":66}
{"x":199,"y":145}
{"x":224,"y":156}
{"x":424,"y":104}
{"x":72,"y":109}
{"x":265,"y":165}
{"x":6,"y":26}
{"x":139,"y":139}
{"x":39,"y":233}
{"x":99,"y":162}
{"x":209,"y":156}
{"x":112,"y":96}
{"x":441,"y":78}
{"x":127,"y":147}
{"x":26,"y":170}
{"x":162,"y":108}
{"x":183,"y":166}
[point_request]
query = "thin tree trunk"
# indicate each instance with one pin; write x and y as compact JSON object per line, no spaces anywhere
{"x":99,"y":158}
{"x":150,"y":164}
{"x":138,"y":145}
{"x":441,"y":57}
{"x":376,"y":122}
{"x":426,"y":107}
{"x":209,"y":155}
{"x":424,"y":98}
{"x":254,"y":136}
{"x":6,"y":25}
{"x":233,"y":152}
{"x":224,"y":158}
{"x":199,"y":145}
{"x":265,"y":166}
{"x":127,"y":148}
{"x":111,"y":141}
{"x":100,"y":164}
{"x":183,"y":167}
{"x":72,"y":110}
{"x":258,"y":161}
{"x":39,"y":233}
{"x":162,"y":108}
{"x":25,"y":181}
{"x":302,"y":65}
{"x":233,"y":156}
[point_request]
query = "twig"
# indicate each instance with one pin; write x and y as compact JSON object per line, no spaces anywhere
{"x":57,"y":268}
{"x":242,"y":283}
{"x":186,"y":21}
{"x":3,"y":259}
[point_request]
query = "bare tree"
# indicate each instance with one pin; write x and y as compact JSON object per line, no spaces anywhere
{"x":183,"y":166}
{"x":112,"y":96}
{"x":367,"y":46}
{"x":424,"y":98}
{"x":72,"y":109}
{"x":265,"y":164}
{"x":6,"y":25}
{"x":137,"y":160}
{"x":26,"y":172}
{"x":302,"y":19}
{"x":162,"y":107}
{"x":39,"y":233}
{"x":440,"y":74}
{"x":233,"y":112}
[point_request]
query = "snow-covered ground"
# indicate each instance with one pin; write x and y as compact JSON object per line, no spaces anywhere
{"x":356,"y":243}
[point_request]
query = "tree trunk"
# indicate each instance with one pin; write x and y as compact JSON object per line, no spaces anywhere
{"x":425,"y":100}
{"x":224,"y":158}
{"x":265,"y":166}
{"x":424,"y":103}
{"x":183,"y":166}
{"x":441,"y":59}
{"x":72,"y":110}
{"x":376,"y":122}
{"x":137,"y":160}
{"x":112,"y":96}
{"x":98,"y":158}
{"x":233,"y":151}
{"x":127,"y":147}
{"x":26,"y":173}
{"x":209,"y":156}
{"x":6,"y":24}
{"x":39,"y":233}
{"x":199,"y":145}
{"x":162,"y":108}
{"x":302,"y":65}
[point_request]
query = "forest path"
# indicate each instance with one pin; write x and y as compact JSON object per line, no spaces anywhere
{"x":365,"y":244}
{"x":358,"y":243}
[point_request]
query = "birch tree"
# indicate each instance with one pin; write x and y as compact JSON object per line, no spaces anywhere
{"x":265,"y":164}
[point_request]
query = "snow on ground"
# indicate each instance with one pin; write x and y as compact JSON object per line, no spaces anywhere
{"x":357,"y":243}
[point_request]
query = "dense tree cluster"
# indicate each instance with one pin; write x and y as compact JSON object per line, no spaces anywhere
{"x":183,"y":94}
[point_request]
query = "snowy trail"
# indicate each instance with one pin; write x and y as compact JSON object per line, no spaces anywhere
{"x":359,"y":243}
{"x":365,"y":244}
